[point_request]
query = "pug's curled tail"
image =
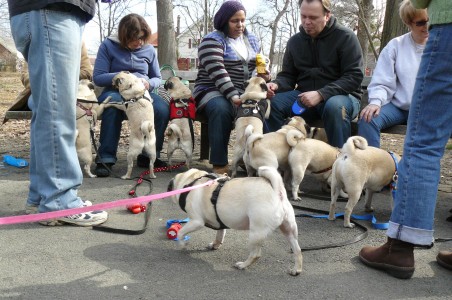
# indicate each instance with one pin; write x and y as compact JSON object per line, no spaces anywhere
{"x":174,"y":129}
{"x":293,"y":136}
{"x":272,"y":175}
{"x":353,"y":143}
{"x":251,"y":137}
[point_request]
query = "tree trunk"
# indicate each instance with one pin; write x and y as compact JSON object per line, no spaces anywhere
{"x":366,"y":11}
{"x":393,"y":25}
{"x":274,"y":29}
{"x":166,"y":35}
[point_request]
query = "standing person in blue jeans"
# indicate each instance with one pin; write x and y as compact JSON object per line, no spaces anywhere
{"x":391,"y":88}
{"x":227,"y":58}
{"x":129,"y":50}
{"x":321,"y":73}
{"x":49,"y":35}
{"x":429,"y":129}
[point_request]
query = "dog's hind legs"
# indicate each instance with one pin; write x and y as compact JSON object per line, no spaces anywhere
{"x":290,"y":230}
{"x":353,"y":198}
{"x":256,"y":242}
{"x":368,"y":205}
{"x":219,"y":238}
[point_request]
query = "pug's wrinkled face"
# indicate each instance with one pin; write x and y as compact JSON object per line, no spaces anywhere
{"x":129,"y":85}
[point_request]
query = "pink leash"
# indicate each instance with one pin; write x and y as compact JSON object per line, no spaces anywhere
{"x":100,"y":206}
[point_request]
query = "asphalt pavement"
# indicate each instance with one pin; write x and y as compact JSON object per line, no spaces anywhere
{"x":69,"y":262}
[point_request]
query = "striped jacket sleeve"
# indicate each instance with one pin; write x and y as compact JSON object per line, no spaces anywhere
{"x":211,"y":53}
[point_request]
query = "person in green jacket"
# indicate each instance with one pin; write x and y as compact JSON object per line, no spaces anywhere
{"x":429,"y":129}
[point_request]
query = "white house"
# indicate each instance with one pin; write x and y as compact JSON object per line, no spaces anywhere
{"x":187,"y":44}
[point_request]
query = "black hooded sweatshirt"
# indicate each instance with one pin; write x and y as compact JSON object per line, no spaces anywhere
{"x":330,"y":63}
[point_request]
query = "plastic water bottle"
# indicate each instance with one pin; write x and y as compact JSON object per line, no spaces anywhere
{"x":15,"y":162}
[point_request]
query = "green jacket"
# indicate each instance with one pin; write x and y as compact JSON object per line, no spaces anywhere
{"x":439,"y":11}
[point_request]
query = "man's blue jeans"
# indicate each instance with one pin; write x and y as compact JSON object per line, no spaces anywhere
{"x":337,"y":113}
{"x":112,"y":118}
{"x":390,"y":115}
{"x":429,"y":129}
{"x":220,"y":116}
{"x":50,"y":41}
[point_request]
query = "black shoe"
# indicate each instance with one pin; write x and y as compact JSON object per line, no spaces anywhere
{"x":160,"y":163}
{"x":143,"y":161}
{"x":102,"y":171}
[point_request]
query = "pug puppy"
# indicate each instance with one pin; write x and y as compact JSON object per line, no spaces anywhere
{"x":271,"y":149}
{"x":261,"y":209}
{"x":359,"y":167}
{"x":139,"y":110}
{"x":87,"y":113}
{"x":180,"y":128}
{"x":253,"y":109}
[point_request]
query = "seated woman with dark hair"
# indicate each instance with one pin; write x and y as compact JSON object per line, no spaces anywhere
{"x":227,"y":58}
{"x":129,"y":50}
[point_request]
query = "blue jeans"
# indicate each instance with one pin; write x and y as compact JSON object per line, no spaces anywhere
{"x":220,"y":117}
{"x":390,"y":115}
{"x":429,"y":129}
{"x":50,"y":41}
{"x":110,"y":129}
{"x":337,"y":125}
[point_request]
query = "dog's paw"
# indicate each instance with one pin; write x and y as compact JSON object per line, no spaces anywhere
{"x":349,"y":225}
{"x":214,"y":246}
{"x":125,"y":177}
{"x":240,"y":265}
{"x":294,"y":272}
{"x":331,"y":217}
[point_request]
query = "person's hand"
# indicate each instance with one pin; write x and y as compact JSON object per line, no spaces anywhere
{"x":272,"y":88}
{"x":146,"y":83}
{"x":310,"y":99}
{"x":267,"y":76}
{"x":236,"y":100}
{"x":370,"y":111}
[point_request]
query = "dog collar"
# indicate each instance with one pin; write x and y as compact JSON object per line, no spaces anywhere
{"x":125,"y":101}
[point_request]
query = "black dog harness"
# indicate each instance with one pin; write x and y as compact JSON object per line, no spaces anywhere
{"x":252,"y":108}
{"x":213,"y":199}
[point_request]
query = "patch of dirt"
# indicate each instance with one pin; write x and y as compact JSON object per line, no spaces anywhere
{"x":15,"y":137}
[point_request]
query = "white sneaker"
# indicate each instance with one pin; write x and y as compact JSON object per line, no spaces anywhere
{"x":90,"y":218}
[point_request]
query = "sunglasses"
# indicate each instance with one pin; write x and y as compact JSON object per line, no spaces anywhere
{"x":421,"y":23}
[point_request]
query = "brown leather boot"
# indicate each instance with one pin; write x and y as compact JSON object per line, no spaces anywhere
{"x":444,"y":259}
{"x":220,"y":169}
{"x":395,"y":257}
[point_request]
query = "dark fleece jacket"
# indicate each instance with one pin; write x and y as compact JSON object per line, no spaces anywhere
{"x":331,"y":63}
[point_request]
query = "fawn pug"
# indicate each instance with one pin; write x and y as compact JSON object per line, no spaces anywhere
{"x":182,"y":113}
{"x":271,"y":149}
{"x":310,"y":156}
{"x":254,"y":108}
{"x":87,"y":112}
{"x":137,"y":104}
{"x":359,"y":167}
{"x":260,"y":208}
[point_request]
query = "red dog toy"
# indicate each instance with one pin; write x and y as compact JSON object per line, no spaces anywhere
{"x":136,"y":208}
